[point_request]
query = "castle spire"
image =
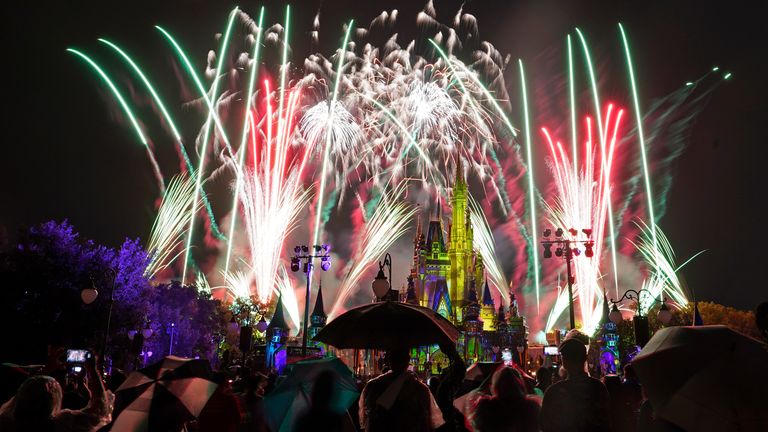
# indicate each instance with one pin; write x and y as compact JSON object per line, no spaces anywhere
{"x":487,"y":298}
{"x":318,"y":313}
{"x":278,"y":319}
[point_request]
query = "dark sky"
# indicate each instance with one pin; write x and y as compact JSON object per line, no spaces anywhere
{"x":64,"y":156}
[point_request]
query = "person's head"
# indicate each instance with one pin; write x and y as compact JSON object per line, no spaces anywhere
{"x":38,"y":398}
{"x":574,"y":355}
{"x":507,"y":384}
{"x":613,"y":384}
{"x":543,"y":377}
{"x":323,"y":390}
{"x":399,"y":359}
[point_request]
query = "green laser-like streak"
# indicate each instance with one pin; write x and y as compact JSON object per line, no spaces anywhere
{"x":572,"y":86}
{"x":599,"y":112}
{"x":199,"y":84}
{"x":116,"y":92}
{"x":151,"y":89}
{"x":486,"y":92}
{"x":531,"y":192}
{"x":284,"y":65}
{"x":490,"y":97}
{"x":211,"y":114}
{"x":243,"y":139}
{"x":328,"y":134}
{"x":170,"y":122}
{"x":641,"y":136}
{"x":127,"y":111}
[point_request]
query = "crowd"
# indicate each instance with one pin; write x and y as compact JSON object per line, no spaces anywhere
{"x":508,"y":400}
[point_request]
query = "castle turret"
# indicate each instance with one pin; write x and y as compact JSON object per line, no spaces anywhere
{"x":457,"y":251}
{"x":488,"y":309}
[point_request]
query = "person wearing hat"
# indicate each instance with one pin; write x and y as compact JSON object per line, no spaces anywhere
{"x":579,"y":402}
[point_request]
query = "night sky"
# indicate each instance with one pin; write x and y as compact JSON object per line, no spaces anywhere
{"x":65,"y":156}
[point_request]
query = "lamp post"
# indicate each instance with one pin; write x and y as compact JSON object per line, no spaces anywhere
{"x":567,"y":250}
{"x":89,"y":295}
{"x":664,"y":315}
{"x":308,"y":255}
{"x":382,"y":286}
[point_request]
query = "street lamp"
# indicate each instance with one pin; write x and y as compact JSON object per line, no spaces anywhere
{"x":89,"y":295}
{"x":664,"y":315}
{"x":566,"y":250}
{"x":381,"y":285}
{"x":308,"y":255}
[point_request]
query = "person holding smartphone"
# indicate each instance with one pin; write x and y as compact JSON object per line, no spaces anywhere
{"x":37,"y":406}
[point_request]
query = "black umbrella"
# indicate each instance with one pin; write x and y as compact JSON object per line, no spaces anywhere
{"x":163,"y":396}
{"x":707,"y":378}
{"x":387,"y":325}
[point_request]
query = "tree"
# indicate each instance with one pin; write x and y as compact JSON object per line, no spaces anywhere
{"x":41,"y":279}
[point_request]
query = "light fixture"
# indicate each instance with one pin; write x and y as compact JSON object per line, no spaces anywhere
{"x":547,"y":232}
{"x":294,"y":264}
{"x":573,"y":232}
{"x":89,"y":295}
{"x":325,"y":263}
{"x":262,"y":325}
{"x":559,"y":252}
{"x":665,"y":315}
{"x":559,"y":232}
{"x":587,"y":232}
{"x":380,"y":284}
{"x":304,"y":249}
{"x":576,"y":251}
{"x":588,"y":252}
{"x":547,"y":250}
{"x":615,"y":315}
{"x":297,"y":250}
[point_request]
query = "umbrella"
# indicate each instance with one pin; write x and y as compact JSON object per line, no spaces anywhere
{"x":708,"y":378}
{"x":386,"y":325}
{"x":162,"y":396}
{"x":291,"y":398}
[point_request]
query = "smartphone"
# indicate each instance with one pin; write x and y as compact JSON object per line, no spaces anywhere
{"x":77,"y":355}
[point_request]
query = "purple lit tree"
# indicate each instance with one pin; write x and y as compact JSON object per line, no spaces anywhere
{"x":41,"y":279}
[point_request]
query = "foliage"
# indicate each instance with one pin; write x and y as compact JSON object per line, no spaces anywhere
{"x":43,"y":275}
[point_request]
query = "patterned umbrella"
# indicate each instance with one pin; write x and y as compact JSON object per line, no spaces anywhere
{"x":163,"y":396}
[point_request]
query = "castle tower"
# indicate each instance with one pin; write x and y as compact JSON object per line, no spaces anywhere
{"x":277,"y":332}
{"x":457,"y":251}
{"x":435,"y":268}
{"x":488,"y":311}
{"x":472,"y":326}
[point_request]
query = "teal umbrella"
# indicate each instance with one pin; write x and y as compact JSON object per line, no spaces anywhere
{"x":291,"y":398}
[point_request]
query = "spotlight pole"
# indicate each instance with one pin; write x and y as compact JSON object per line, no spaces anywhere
{"x":567,"y":252}
{"x":305,"y":253}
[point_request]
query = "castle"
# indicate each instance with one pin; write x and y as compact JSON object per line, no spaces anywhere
{"x":445,"y":276}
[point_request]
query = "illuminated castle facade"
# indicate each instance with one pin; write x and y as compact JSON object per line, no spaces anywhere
{"x":445,"y":276}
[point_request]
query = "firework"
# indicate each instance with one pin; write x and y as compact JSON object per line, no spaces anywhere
{"x":659,"y":257}
{"x":388,"y":222}
{"x":170,"y":223}
{"x":582,"y":202}
{"x":128,"y":113}
{"x":371,"y":119}
{"x":272,"y":197}
{"x":486,"y":246}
